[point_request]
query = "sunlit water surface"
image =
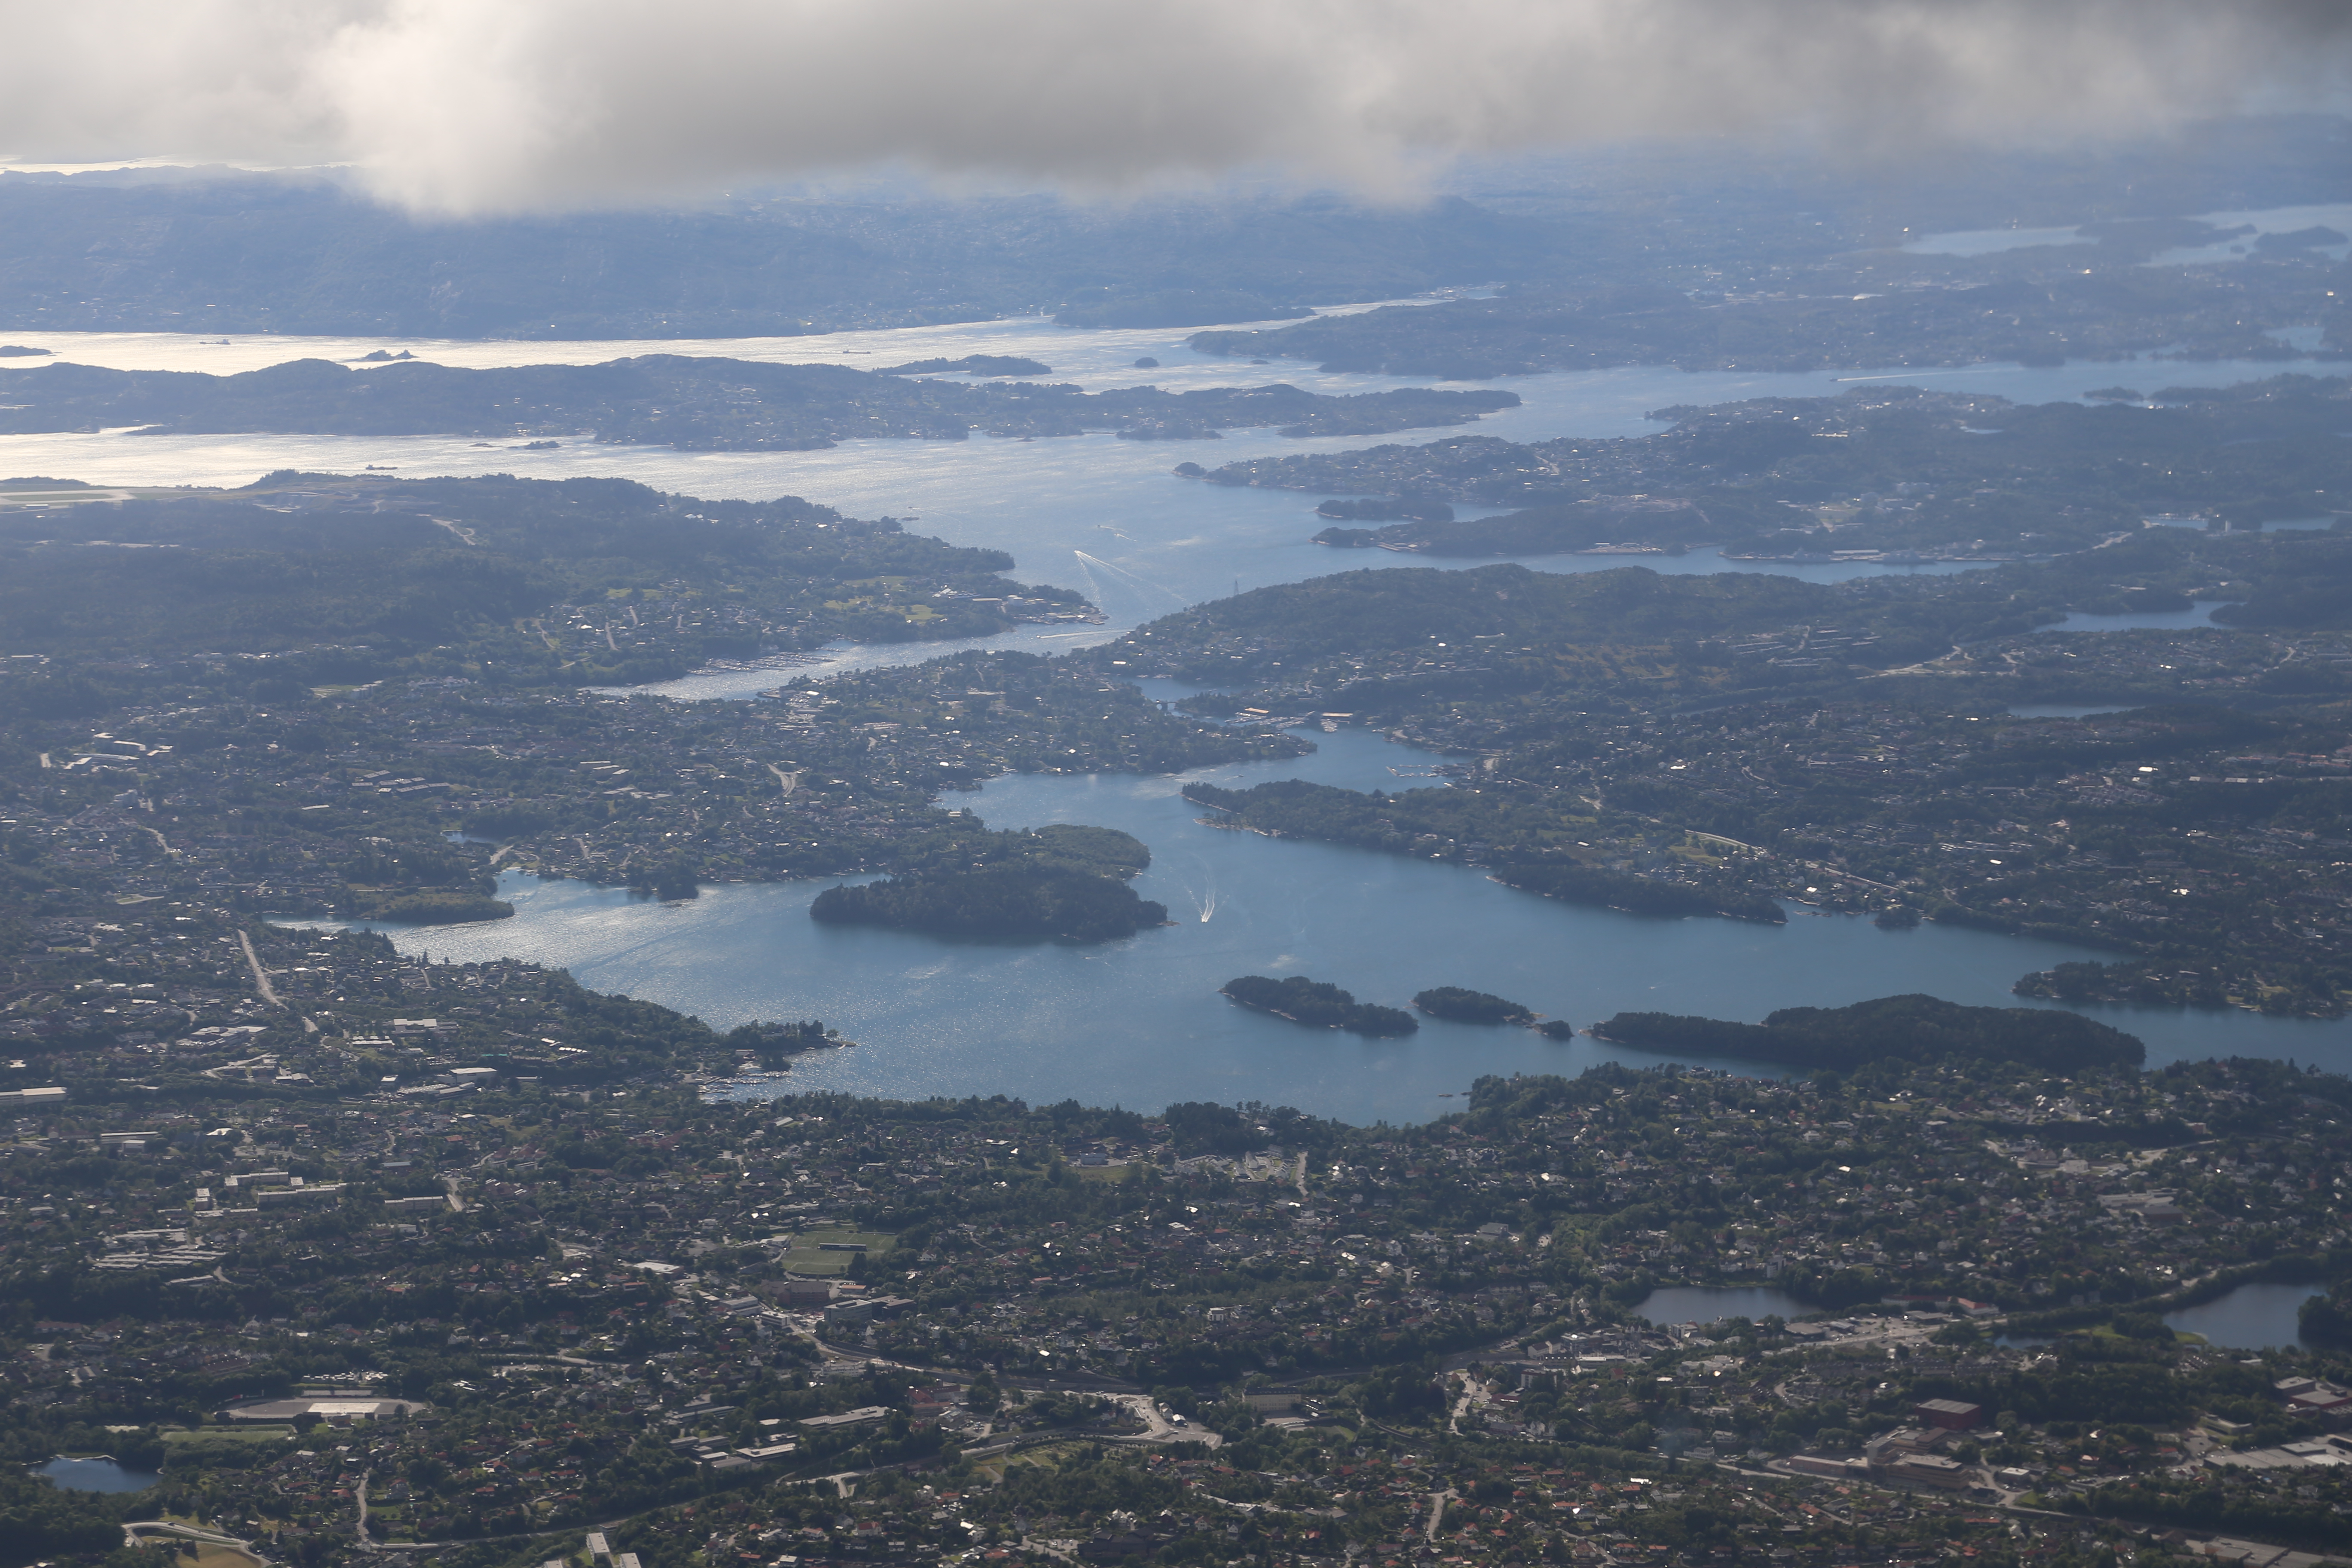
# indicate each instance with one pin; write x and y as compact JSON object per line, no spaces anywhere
{"x":1141,"y":1022}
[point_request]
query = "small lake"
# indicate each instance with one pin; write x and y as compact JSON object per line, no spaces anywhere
{"x":1706,"y":1304}
{"x":100,"y":1475}
{"x":2197,"y":616}
{"x":2250,"y":1318}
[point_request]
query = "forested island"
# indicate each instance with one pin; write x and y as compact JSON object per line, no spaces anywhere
{"x":970,"y":365}
{"x":999,"y":904}
{"x":1059,"y":883}
{"x":688,"y":402}
{"x":1914,"y":1029}
{"x":1463,"y":1006}
{"x":1318,"y":1004}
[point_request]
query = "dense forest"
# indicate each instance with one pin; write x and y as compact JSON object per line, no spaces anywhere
{"x":1914,"y":1029}
{"x":1530,"y":849}
{"x":970,"y":365}
{"x":2050,"y":309}
{"x":527,"y":582}
{"x":1882,"y":469}
{"x":1380,"y":640}
{"x":1601,"y":887}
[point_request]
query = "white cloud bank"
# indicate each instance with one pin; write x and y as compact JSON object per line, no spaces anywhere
{"x":476,"y":106}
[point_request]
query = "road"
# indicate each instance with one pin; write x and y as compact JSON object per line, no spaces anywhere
{"x":260,"y":975}
{"x":1145,"y":1410}
{"x":1437,"y":1501}
{"x":130,"y":1536}
{"x":358,"y":1491}
{"x":1474,"y":1395}
{"x":1158,"y":1428}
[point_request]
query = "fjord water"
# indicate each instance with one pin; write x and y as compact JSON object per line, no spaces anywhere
{"x":1094,"y":513}
{"x":1140,"y":1023}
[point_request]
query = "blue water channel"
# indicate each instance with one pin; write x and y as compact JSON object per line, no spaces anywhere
{"x":1140,"y":1023}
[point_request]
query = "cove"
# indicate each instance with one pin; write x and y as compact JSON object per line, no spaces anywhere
{"x":2250,"y":1318}
{"x":1139,"y":1022}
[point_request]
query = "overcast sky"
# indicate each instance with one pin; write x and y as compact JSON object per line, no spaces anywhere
{"x":481,"y":106}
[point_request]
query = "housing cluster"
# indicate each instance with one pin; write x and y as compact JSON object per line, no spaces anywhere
{"x":403,"y":800}
{"x":517,"y":1273}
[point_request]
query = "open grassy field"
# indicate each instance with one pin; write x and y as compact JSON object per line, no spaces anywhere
{"x":180,"y":1441}
{"x":209,"y":1553}
{"x":808,"y":1254}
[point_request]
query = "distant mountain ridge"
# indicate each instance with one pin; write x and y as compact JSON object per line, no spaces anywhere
{"x":689,"y":402}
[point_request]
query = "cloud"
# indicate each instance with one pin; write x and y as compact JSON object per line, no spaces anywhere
{"x":461,"y":106}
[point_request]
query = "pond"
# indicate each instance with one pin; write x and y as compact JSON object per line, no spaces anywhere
{"x":2198,"y":616}
{"x":1706,"y":1303}
{"x":2250,"y":1318}
{"x":96,"y":1475}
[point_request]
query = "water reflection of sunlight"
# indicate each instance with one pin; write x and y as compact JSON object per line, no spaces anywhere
{"x":1125,"y":575}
